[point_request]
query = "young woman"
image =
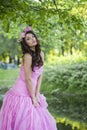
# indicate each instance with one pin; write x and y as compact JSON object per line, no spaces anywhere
{"x":24,"y":107}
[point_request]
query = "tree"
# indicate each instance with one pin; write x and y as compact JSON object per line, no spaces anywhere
{"x":58,"y":23}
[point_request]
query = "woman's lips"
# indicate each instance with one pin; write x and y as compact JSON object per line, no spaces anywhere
{"x":35,"y":43}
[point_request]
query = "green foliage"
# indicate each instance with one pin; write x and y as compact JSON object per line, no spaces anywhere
{"x":59,"y":24}
{"x":72,"y":106}
{"x":66,"y":78}
{"x":54,"y":59}
{"x":65,"y":87}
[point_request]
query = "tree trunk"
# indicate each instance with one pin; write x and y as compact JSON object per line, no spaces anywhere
{"x":10,"y":59}
{"x":71,"y":49}
{"x":62,"y":48}
{"x":18,"y":61}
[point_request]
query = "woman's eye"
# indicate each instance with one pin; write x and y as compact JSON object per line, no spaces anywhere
{"x":28,"y":39}
{"x":33,"y":36}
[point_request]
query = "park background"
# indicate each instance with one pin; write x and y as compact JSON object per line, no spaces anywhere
{"x":61,"y":26}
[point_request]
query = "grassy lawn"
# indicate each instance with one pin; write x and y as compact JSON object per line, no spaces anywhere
{"x":8,"y":77}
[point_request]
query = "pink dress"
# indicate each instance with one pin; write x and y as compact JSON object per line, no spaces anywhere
{"x":18,"y":112}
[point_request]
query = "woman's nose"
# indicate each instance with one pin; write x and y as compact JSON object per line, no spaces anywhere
{"x":33,"y":38}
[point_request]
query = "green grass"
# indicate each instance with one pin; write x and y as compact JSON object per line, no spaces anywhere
{"x":8,"y":77}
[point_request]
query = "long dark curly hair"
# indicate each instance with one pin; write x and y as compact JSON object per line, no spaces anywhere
{"x":36,"y":57}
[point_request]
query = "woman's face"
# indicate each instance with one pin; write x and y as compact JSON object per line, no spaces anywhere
{"x":30,"y":39}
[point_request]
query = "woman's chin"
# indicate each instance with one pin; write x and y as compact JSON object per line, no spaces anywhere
{"x":35,"y":43}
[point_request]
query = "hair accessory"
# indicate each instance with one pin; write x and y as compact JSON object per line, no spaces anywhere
{"x":27,"y":29}
{"x":22,"y":35}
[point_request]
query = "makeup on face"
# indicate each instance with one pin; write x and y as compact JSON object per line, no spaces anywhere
{"x":31,"y":39}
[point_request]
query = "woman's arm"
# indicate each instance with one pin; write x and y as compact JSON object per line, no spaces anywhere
{"x":39,"y":79}
{"x":38,"y":85}
{"x":28,"y":71}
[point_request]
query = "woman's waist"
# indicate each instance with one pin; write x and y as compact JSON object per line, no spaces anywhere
{"x":16,"y":92}
{"x":21,"y":88}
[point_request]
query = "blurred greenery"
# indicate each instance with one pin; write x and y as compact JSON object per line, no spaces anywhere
{"x":54,"y":59}
{"x":61,"y":27}
{"x":66,"y":99}
{"x":68,"y":124}
{"x":8,"y":77}
{"x":66,"y":78}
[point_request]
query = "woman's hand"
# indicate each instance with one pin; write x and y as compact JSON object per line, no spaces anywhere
{"x":38,"y":98}
{"x":35,"y":102}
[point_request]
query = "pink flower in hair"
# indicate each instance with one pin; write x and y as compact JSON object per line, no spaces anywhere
{"x":22,"y":35}
{"x":27,"y":29}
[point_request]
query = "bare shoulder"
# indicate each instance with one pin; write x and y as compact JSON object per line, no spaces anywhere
{"x":27,"y":65}
{"x":27,"y":59}
{"x":27,"y":56}
{"x":42,"y":55}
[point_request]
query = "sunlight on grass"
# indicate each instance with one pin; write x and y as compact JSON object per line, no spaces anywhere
{"x":53,"y":58}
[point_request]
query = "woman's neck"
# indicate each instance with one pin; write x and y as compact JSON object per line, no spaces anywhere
{"x":33,"y":49}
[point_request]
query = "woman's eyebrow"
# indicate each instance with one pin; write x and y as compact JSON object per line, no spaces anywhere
{"x":28,"y":37}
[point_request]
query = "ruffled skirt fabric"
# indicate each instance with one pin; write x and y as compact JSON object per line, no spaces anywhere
{"x":18,"y":113}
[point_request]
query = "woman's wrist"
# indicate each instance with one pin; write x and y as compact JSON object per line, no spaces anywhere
{"x":33,"y":97}
{"x":37,"y":94}
{"x":37,"y":97}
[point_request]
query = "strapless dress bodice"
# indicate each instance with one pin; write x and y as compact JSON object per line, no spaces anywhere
{"x":20,"y":87}
{"x":35,"y":74}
